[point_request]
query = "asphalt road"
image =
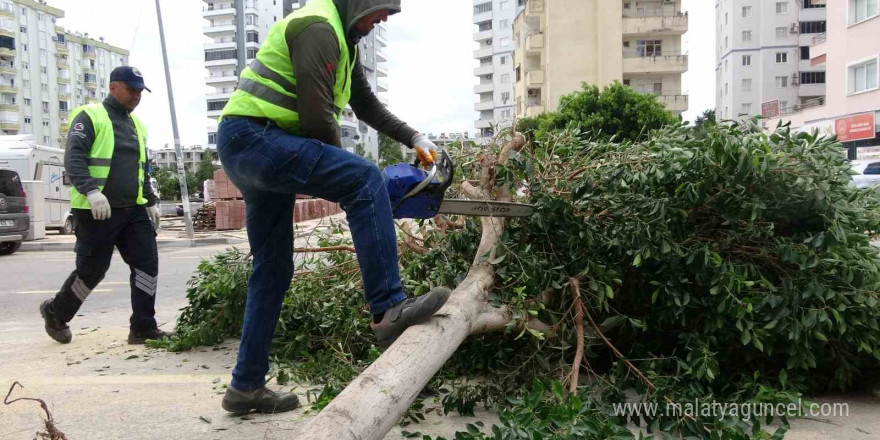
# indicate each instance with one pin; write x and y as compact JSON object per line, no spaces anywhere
{"x":27,"y":278}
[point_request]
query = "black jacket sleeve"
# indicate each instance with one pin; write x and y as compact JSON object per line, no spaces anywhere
{"x":76,"y":157}
{"x":368,"y":108}
{"x":314,"y":52}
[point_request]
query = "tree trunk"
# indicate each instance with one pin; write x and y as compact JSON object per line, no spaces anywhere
{"x":375,"y":401}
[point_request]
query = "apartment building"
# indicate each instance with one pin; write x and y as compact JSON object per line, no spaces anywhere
{"x":849,"y":52}
{"x":763,"y":56}
{"x":192,"y":156}
{"x":46,"y":71}
{"x":560,"y":44}
{"x":236,"y":29}
{"x":494,"y":36}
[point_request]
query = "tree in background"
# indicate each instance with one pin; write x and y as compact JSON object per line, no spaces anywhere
{"x":169,"y":186}
{"x":707,"y":116}
{"x":617,"y":111}
{"x":389,"y":151}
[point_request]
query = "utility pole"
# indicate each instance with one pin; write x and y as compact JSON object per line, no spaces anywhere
{"x":181,"y":171}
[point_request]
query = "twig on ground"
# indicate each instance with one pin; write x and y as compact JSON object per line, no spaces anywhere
{"x":52,"y":433}
{"x":325,"y":249}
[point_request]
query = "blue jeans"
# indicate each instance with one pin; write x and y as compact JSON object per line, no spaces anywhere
{"x":270,"y":167}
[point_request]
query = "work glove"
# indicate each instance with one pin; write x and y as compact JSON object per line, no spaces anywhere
{"x":426,"y":151}
{"x":155,"y":217}
{"x":99,"y":204}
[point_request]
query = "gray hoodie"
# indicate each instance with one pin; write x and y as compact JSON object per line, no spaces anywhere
{"x":314,"y":51}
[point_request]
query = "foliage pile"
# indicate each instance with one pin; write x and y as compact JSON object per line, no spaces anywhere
{"x":727,"y":264}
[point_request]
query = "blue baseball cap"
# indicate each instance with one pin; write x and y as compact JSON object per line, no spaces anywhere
{"x":129,"y":75}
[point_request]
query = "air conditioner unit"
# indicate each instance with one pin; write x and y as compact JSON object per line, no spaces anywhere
{"x":795,"y":28}
{"x":533,"y":93}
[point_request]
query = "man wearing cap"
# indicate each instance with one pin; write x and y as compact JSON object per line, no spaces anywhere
{"x":279,"y":137}
{"x":113,"y":205}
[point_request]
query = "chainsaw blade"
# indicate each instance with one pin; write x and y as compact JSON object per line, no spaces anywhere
{"x":484,"y":208}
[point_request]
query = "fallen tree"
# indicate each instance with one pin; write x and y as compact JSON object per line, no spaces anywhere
{"x":717,"y":263}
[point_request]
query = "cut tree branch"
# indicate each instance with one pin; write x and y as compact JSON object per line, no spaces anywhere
{"x":325,"y":249}
{"x":579,"y":329}
{"x":52,"y":433}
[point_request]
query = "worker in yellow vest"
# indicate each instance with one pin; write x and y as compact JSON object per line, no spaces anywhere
{"x":114,"y":206}
{"x":279,"y":137}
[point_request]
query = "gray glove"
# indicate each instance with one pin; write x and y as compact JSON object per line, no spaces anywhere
{"x":153,"y":211}
{"x":99,"y":204}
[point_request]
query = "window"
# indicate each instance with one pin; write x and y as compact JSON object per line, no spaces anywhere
{"x":726,"y":41}
{"x":649,"y":48}
{"x":505,"y":114}
{"x":873,"y":168}
{"x":747,"y":12}
{"x":505,"y":24}
{"x":863,"y":76}
{"x":27,"y":102}
{"x":505,"y":96}
{"x":812,"y":77}
{"x":46,"y":124}
{"x":747,"y":60}
{"x":747,"y":85}
{"x":861,"y":10}
{"x":505,"y":5}
{"x":726,"y":89}
{"x":45,"y":107}
{"x":781,"y":33}
{"x":747,"y":37}
{"x":505,"y":41}
{"x":813,"y":27}
{"x":746,"y":109}
{"x":805,"y":52}
{"x":808,"y":4}
{"x":783,"y":105}
{"x":46,"y":140}
{"x":23,"y":29}
{"x":44,"y":70}
{"x":726,"y":18}
{"x":24,"y":47}
{"x":781,"y":57}
{"x":505,"y":78}
{"x":726,"y":67}
{"x":504,"y":59}
{"x":781,"y":82}
{"x":781,"y":7}
{"x":27,"y":120}
{"x":483,"y":7}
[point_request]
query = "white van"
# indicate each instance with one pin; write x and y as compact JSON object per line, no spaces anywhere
{"x":35,"y":162}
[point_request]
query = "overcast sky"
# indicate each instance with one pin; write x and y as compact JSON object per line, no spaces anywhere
{"x":430,"y":66}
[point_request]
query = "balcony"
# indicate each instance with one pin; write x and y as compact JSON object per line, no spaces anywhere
{"x":218,"y":96}
{"x":64,"y":127}
{"x":222,"y":29}
{"x":7,"y":52}
{"x":62,"y":61}
{"x":535,"y":109}
{"x":90,"y":70}
{"x":91,"y":85}
{"x":9,"y":126}
{"x":63,"y":80}
{"x":674,"y":24}
{"x":484,"y":106}
{"x":7,"y":32}
{"x":61,"y":48}
{"x":7,"y":13}
{"x":381,"y":71}
{"x":8,"y":106}
{"x":664,"y":63}
{"x":674,"y":103}
{"x":484,"y":88}
{"x":90,"y":55}
{"x":7,"y":68}
{"x":381,"y":56}
{"x":819,"y":49}
{"x":483,"y":52}
{"x":811,"y":90}
{"x":221,"y":80}
{"x":223,"y":45}
{"x":483,"y":123}
{"x":485,"y":69}
{"x":64,"y":96}
{"x":483,"y":35}
{"x":219,"y":12}
{"x":482,"y":17}
{"x":5,"y":88}
{"x":381,"y":86}
{"x":535,"y":42}
{"x":535,"y":77}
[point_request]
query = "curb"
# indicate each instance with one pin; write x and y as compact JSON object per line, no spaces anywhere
{"x":37,"y":247}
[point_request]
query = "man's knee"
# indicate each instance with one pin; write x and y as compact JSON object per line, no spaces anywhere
{"x":372,"y":181}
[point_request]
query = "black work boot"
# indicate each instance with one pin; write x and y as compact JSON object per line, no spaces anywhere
{"x":409,"y":312}
{"x":139,"y":338}
{"x":57,"y":330}
{"x":262,"y":400}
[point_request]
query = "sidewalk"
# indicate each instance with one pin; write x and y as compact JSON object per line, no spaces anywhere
{"x":173,"y":235}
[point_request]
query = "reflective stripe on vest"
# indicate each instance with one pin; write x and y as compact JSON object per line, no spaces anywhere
{"x":267,"y":87}
{"x":100,"y":156}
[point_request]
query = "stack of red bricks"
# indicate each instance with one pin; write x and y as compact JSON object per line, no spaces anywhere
{"x":230,"y":206}
{"x":310,"y":209}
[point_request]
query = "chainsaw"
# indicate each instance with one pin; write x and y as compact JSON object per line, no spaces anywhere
{"x":419,"y":194}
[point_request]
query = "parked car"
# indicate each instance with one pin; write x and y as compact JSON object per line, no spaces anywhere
{"x":868,"y":173}
{"x":14,"y":218}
